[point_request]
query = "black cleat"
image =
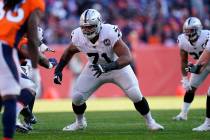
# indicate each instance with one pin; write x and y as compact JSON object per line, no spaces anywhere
{"x":30,"y":120}
{"x":28,"y":126}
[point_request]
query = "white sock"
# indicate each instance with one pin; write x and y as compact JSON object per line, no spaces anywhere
{"x":185,"y":107}
{"x":79,"y":118}
{"x":148,"y":118}
{"x":19,"y":107}
{"x":207,"y":120}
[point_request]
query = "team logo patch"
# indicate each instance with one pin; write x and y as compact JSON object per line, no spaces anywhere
{"x":107,"y":42}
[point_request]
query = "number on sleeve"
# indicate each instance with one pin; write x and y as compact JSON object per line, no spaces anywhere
{"x":117,"y":30}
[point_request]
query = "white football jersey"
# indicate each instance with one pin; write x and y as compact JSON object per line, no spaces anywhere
{"x":102,"y":51}
{"x":197,"y":48}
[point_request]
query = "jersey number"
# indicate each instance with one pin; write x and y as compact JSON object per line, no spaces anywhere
{"x":96,"y":57}
{"x":19,"y":14}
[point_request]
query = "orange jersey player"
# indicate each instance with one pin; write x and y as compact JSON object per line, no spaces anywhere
{"x":17,"y":17}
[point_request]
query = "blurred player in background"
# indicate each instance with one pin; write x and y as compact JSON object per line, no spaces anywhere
{"x":201,"y":65}
{"x":109,"y":62}
{"x":30,"y":89}
{"x":193,"y":42}
{"x":17,"y":17}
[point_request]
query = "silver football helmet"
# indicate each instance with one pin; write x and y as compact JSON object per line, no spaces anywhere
{"x":90,"y":23}
{"x":192,"y":28}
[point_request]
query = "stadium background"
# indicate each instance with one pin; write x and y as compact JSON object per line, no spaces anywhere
{"x":149,"y":27}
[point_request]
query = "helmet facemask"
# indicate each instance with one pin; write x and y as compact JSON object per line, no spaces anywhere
{"x":90,"y":23}
{"x":192,"y":28}
{"x":90,"y":31}
{"x":193,"y":34}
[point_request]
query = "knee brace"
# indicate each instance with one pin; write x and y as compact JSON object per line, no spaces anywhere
{"x":189,"y":95}
{"x":134,"y":94}
{"x":142,"y":106}
{"x":25,"y":97}
{"x":79,"y":109}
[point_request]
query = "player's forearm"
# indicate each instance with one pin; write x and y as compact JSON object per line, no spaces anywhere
{"x":124,"y":61}
{"x":184,"y":65}
{"x":33,"y":51}
{"x":43,"y":61}
{"x":33,"y":40}
{"x":184,"y":61}
{"x":203,"y":60}
{"x":65,"y":58}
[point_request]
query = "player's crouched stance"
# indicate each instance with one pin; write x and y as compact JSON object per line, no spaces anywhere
{"x":109,"y":60}
{"x":192,"y":42}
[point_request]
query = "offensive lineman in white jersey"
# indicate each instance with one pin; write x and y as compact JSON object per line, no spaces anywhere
{"x":109,"y":60}
{"x":193,"y":42}
{"x":199,"y":67}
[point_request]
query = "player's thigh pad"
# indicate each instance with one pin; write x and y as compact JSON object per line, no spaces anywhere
{"x":9,"y":73}
{"x":84,"y":87}
{"x":126,"y":79}
{"x":197,"y":79}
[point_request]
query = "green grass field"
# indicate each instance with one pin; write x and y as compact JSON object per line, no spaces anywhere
{"x":116,"y":119}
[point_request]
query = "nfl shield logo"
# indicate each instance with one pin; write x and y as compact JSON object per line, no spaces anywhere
{"x":107,"y":42}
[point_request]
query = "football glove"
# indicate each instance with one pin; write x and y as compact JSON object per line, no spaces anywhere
{"x":52,"y":62}
{"x":103,"y":68}
{"x":58,"y":72}
{"x":44,"y":48}
{"x":186,"y":83}
{"x":193,"y":68}
{"x":58,"y":78}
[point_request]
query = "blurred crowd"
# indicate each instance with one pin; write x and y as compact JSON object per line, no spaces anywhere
{"x":141,"y":21}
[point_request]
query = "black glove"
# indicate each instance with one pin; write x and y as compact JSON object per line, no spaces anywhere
{"x":58,"y":78}
{"x":193,"y":68}
{"x":58,"y":73}
{"x":103,"y":68}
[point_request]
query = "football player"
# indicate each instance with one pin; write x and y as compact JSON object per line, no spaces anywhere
{"x":109,"y":62}
{"x":193,"y":42}
{"x":25,"y":100}
{"x":201,"y":65}
{"x":17,"y":17}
